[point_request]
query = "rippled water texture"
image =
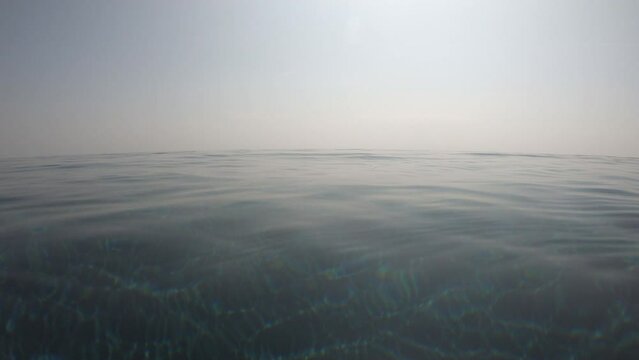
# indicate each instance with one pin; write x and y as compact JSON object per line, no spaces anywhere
{"x":329,"y":255}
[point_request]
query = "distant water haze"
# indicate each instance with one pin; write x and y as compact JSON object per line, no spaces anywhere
{"x":501,"y":76}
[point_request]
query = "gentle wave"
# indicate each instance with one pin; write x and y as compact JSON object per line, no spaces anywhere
{"x":319,"y":254}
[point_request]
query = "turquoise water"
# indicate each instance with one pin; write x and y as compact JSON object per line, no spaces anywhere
{"x":328,"y":255}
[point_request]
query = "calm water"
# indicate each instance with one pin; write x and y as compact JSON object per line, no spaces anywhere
{"x":328,"y":255}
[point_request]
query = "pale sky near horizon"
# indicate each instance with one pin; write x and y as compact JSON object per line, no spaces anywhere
{"x":531,"y":76}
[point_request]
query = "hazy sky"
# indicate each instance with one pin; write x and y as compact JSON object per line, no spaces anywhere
{"x":551,"y":76}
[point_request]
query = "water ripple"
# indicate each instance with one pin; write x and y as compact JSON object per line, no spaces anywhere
{"x":319,"y":254}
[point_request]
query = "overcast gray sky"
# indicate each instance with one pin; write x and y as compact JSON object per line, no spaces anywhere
{"x":550,"y":76}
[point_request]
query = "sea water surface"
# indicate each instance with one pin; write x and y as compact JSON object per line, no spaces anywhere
{"x":346,"y":254}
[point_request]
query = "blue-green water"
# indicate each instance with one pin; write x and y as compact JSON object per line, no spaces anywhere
{"x":328,"y":255}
